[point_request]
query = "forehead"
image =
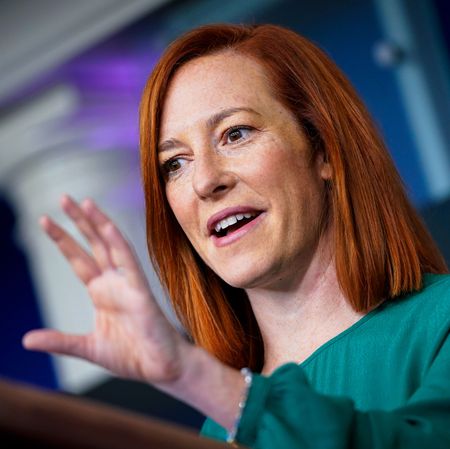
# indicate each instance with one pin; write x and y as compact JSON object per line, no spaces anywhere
{"x":208,"y":84}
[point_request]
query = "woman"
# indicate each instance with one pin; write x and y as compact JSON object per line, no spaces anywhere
{"x":282,"y":233}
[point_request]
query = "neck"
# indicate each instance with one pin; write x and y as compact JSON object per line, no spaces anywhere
{"x":307,"y":311}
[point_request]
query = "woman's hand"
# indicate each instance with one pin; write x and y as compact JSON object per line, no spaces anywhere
{"x":131,"y":337}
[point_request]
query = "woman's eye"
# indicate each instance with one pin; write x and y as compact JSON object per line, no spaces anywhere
{"x":171,"y":166}
{"x":237,"y":133}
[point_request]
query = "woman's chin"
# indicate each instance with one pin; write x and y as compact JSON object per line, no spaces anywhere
{"x":247,"y":278}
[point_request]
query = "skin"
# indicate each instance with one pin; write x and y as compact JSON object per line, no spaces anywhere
{"x":283,"y":262}
{"x":256,"y":156}
{"x":264,"y":165}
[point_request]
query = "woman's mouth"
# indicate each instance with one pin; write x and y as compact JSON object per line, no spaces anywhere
{"x":233,"y":222}
{"x":233,"y":226}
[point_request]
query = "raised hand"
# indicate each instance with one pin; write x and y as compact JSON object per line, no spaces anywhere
{"x":131,"y":337}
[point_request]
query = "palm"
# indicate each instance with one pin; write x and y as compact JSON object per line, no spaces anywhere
{"x":131,"y":336}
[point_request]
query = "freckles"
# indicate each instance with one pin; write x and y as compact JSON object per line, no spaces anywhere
{"x":177,"y":199}
{"x":273,"y":158}
{"x":179,"y":196}
{"x":179,"y":185}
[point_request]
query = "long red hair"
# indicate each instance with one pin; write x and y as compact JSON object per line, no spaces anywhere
{"x":381,"y":246}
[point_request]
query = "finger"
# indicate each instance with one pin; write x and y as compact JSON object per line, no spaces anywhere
{"x":48,"y":340}
{"x":99,"y":248}
{"x":81,"y":262}
{"x":121,"y":252}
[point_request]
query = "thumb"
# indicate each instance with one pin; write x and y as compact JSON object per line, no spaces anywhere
{"x":49,"y":340}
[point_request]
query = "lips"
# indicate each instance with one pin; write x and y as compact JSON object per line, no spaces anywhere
{"x":231,"y":217}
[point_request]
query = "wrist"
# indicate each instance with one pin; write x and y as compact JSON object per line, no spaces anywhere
{"x":208,"y":385}
{"x":248,"y":379}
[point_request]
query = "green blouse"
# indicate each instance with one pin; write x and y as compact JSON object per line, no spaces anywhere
{"x":383,"y":383}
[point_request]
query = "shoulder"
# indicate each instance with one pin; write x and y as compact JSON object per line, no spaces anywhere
{"x":431,"y":305}
{"x":436,"y":283}
{"x":427,"y":308}
{"x":435,"y":291}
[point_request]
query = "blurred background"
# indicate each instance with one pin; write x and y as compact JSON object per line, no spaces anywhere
{"x":71,"y":74}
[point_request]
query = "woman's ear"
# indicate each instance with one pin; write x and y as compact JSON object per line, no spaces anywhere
{"x":324,"y":167}
{"x":326,"y":171}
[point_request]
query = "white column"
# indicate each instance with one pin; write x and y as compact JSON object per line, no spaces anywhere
{"x":40,"y":159}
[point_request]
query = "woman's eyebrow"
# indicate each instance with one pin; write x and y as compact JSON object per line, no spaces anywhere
{"x":212,"y":122}
{"x":225,"y":113}
{"x":168,"y":145}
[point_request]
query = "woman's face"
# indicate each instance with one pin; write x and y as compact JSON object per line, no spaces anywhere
{"x":238,"y":175}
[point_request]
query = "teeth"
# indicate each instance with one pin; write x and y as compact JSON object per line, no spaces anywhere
{"x":231,"y":220}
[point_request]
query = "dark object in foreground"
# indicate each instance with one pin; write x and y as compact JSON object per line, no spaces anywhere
{"x":38,"y":419}
{"x":144,"y":399}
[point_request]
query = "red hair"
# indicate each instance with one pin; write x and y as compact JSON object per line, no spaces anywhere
{"x":381,"y":246}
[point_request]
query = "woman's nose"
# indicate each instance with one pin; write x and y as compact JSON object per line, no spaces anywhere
{"x":212,"y":176}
